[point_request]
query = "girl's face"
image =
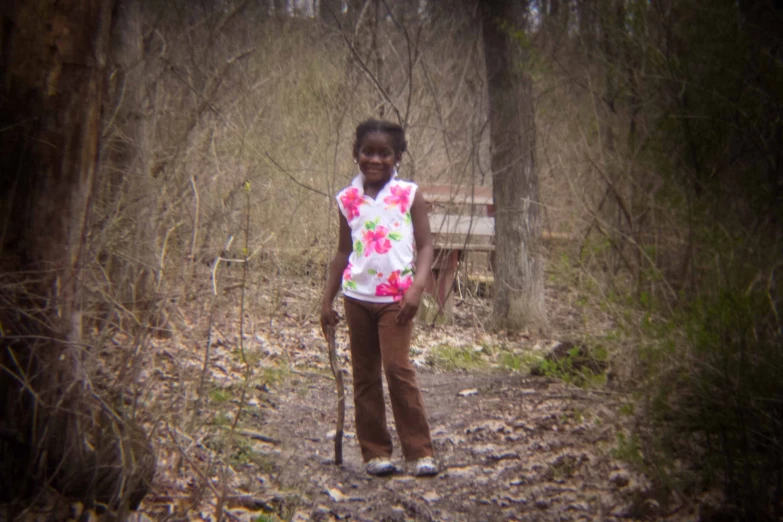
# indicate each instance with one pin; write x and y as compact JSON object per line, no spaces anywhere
{"x":376,"y":157}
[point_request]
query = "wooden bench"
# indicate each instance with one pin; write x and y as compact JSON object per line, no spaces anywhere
{"x":461,"y":220}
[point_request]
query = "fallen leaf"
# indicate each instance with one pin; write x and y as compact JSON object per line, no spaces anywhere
{"x":431,"y":497}
{"x":335,"y":494}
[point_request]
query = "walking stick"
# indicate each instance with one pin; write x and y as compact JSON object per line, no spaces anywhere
{"x":338,"y":377}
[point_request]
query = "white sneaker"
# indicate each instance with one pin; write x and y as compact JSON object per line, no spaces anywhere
{"x":425,"y":467}
{"x":380,"y":466}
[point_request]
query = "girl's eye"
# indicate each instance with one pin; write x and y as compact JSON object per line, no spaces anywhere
{"x":380,"y":153}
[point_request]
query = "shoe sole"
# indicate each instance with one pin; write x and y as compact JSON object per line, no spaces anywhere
{"x":382,"y":473}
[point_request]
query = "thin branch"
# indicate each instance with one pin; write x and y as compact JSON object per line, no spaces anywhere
{"x":364,"y":67}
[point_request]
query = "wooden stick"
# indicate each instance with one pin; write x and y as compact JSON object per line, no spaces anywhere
{"x":338,"y":377}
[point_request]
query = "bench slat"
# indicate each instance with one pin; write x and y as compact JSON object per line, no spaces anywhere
{"x":458,"y":194}
{"x":478,"y":247}
{"x":441,"y":224}
{"x":469,"y":247}
{"x":441,"y":189}
{"x":461,"y":199}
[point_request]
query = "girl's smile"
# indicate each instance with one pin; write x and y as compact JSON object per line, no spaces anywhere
{"x":376,"y":158}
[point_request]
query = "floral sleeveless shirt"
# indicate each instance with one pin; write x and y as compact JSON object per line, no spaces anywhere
{"x":380,"y":268}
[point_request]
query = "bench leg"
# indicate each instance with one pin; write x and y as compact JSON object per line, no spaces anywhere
{"x":444,"y":282}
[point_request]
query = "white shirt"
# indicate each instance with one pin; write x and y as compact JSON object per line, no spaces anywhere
{"x":380,"y":268}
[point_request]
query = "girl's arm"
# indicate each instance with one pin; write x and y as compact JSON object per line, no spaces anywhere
{"x":424,"y":254}
{"x":333,"y":280}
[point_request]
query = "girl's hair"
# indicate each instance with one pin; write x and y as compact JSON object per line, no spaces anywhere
{"x":392,"y":129}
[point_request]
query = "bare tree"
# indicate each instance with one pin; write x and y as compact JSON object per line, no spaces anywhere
{"x":519,"y":296}
{"x":57,"y":429}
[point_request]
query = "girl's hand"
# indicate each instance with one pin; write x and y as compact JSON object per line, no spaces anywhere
{"x":329,"y":318}
{"x":409,"y":305}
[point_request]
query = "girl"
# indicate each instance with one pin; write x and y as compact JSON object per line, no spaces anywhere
{"x":381,"y":217}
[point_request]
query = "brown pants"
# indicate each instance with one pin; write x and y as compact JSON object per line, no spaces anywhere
{"x":376,"y":339}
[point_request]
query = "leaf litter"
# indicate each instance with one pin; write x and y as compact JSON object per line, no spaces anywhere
{"x":510,"y":446}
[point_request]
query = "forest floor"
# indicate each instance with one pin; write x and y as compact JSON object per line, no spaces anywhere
{"x":510,"y":446}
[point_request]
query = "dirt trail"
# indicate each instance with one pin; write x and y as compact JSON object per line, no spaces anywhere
{"x":510,"y":448}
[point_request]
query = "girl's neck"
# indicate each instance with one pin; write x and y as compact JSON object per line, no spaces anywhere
{"x":373,"y":188}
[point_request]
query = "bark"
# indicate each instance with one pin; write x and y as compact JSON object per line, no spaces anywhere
{"x":406,"y":12}
{"x":125,"y":156}
{"x":53,"y":82}
{"x":554,"y":26}
{"x":331,"y":12}
{"x":612,"y":25}
{"x":587,"y":25}
{"x":281,"y":9}
{"x":519,"y":283}
{"x":354,"y":11}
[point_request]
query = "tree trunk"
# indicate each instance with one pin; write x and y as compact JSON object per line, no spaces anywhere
{"x":62,"y":437}
{"x":331,"y":12}
{"x":281,"y":9}
{"x":519,"y":282}
{"x":124,"y":156}
{"x":587,"y":27}
{"x":354,"y":10}
{"x":554,"y":25}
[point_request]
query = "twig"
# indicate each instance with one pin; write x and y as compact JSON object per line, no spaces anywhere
{"x":215,"y":264}
{"x":192,"y":465}
{"x":248,"y":368}
{"x":221,"y":501}
{"x":162,"y":259}
{"x":365,"y":69}
{"x":196,"y":212}
{"x":258,"y":436}
{"x":205,"y":366}
{"x":338,"y":377}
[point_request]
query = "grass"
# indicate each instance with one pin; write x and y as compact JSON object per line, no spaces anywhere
{"x":244,"y":453}
{"x":222,"y":419}
{"x":275,"y":375}
{"x":267,"y":518}
{"x":518,"y":362}
{"x":220,"y":395}
{"x":565,"y":371}
{"x":450,"y":358}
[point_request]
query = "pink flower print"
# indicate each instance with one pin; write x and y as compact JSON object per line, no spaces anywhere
{"x":394,"y":286}
{"x":347,"y":282}
{"x":399,"y":196}
{"x":352,"y":200}
{"x":376,"y":240}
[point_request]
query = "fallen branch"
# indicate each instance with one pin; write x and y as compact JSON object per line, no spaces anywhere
{"x":257,"y":436}
{"x":338,"y":377}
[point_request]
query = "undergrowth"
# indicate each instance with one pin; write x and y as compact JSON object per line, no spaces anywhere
{"x":482,"y":357}
{"x":704,"y":372}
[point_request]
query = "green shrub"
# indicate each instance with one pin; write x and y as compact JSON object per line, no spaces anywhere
{"x":452,"y":358}
{"x":718,"y":402}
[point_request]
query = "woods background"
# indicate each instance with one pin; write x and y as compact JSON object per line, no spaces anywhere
{"x":147,"y":146}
